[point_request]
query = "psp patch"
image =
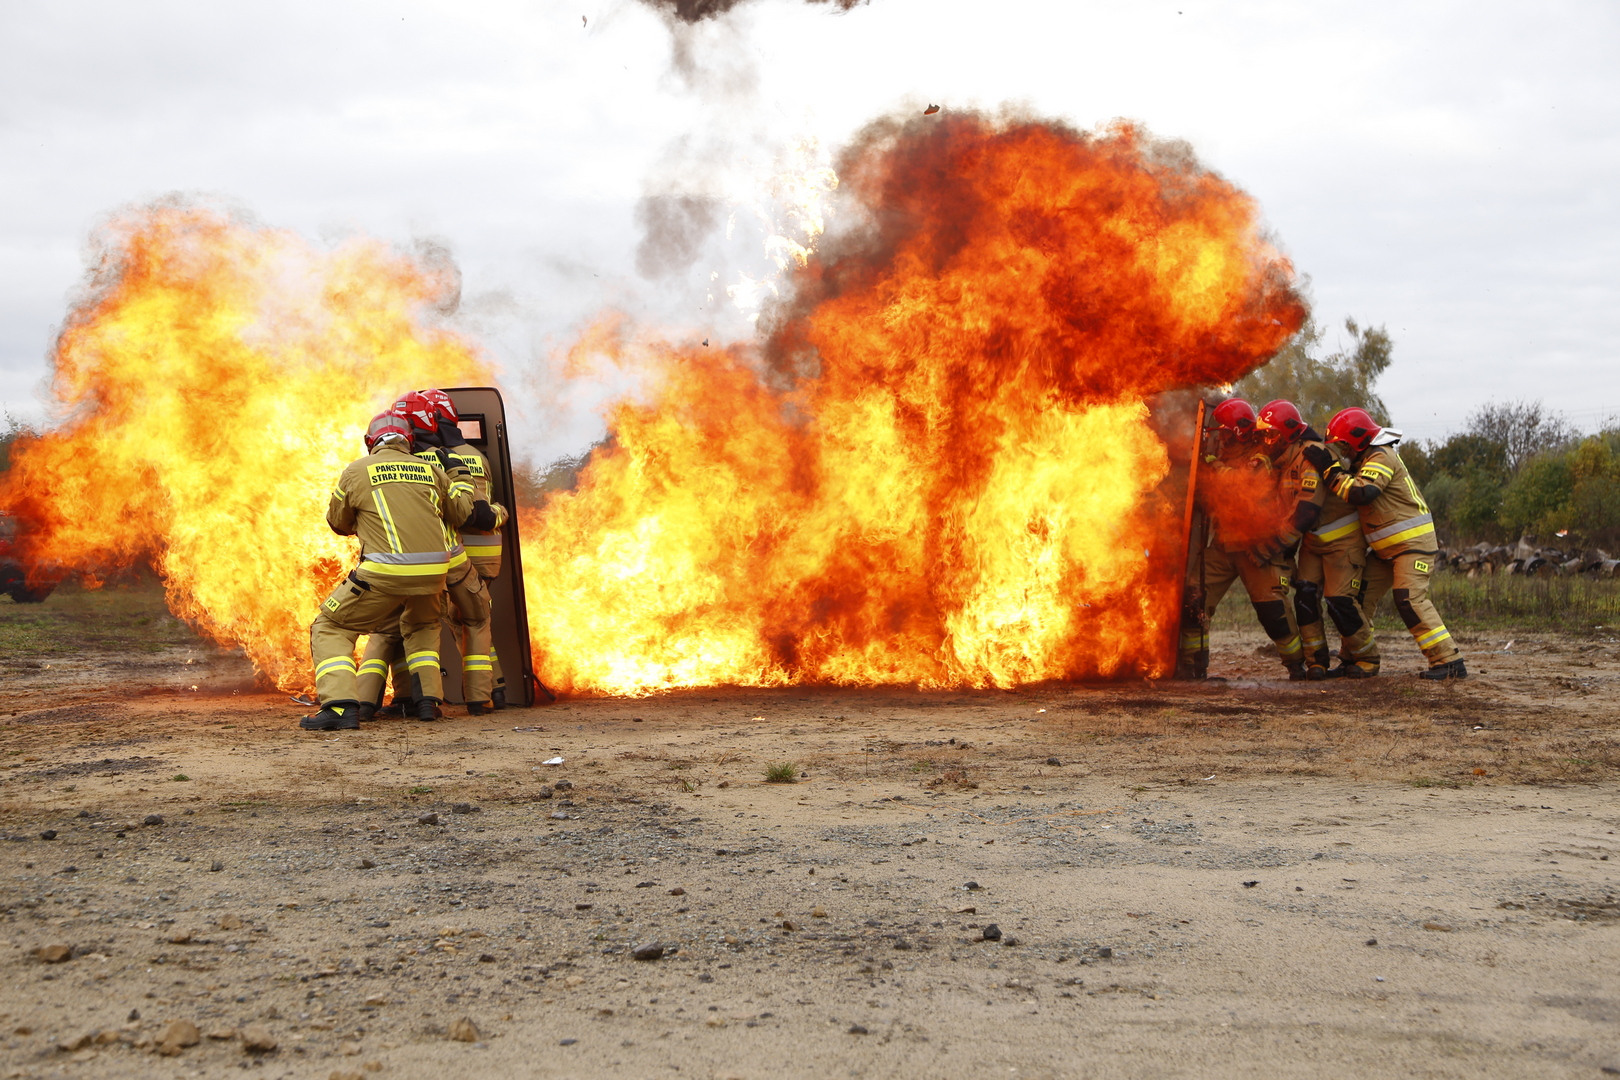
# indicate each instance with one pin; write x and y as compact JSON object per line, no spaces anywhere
{"x":1420,"y":566}
{"x":1309,"y":483}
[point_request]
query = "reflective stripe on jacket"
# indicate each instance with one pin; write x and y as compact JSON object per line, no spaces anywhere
{"x":399,"y":507}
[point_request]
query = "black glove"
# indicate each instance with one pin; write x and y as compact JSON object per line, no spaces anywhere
{"x":446,"y":462}
{"x":450,"y":434}
{"x":1319,"y":456}
{"x":1262,"y":553}
{"x":483,"y":518}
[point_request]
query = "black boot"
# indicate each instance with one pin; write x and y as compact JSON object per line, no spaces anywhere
{"x":497,"y":698}
{"x":1456,"y":669}
{"x":1354,"y":669}
{"x":1296,"y":671}
{"x":427,"y":708}
{"x":334,"y":716}
{"x":367,"y":711}
{"x":479,"y":708}
{"x":398,"y":709}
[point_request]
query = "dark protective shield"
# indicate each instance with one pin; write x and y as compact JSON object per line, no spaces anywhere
{"x":483,"y":423}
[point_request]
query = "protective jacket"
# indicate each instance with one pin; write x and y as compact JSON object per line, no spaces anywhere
{"x":481,"y":535}
{"x":402,"y":509}
{"x":1394,"y":516}
{"x":1230,"y":457}
{"x":1300,"y":491}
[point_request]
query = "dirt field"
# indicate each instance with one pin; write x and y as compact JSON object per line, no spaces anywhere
{"x":1248,"y":879}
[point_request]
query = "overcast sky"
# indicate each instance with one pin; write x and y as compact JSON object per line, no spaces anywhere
{"x":1446,"y":169}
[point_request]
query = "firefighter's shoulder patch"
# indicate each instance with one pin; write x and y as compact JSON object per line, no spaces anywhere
{"x":399,"y":472}
{"x":1420,"y":566}
{"x":1309,"y":483}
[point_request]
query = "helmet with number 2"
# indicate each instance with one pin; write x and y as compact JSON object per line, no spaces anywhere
{"x":1279,"y":421}
{"x":1236,"y":416}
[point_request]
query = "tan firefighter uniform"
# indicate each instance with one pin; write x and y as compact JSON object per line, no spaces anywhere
{"x":1330,"y":575}
{"x":1400,"y":536}
{"x":1265,"y":577}
{"x":470,"y":609}
{"x":399,"y":506}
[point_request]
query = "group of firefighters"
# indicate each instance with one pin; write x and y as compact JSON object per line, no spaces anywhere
{"x":1342,"y":524}
{"x":429,"y":537}
{"x":1341,"y":521}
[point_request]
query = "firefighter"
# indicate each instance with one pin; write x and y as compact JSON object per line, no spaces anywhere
{"x":399,"y":507}
{"x":434,"y":430}
{"x":1332,"y":552}
{"x":1264,"y":568}
{"x":1400,"y":534}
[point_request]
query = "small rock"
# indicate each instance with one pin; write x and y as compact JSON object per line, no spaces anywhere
{"x":1441,"y":927}
{"x":376,"y":999}
{"x":180,"y":937}
{"x":1250,"y":884}
{"x":544,"y":792}
{"x":652,"y":950}
{"x":373,"y":1066}
{"x":229,"y":922}
{"x":645,"y":884}
{"x":1011,"y":941}
{"x":54,"y":954}
{"x":1105,"y":953}
{"x":464,"y":1030}
{"x":1372,"y":941}
{"x":134,"y":1015}
{"x":677,"y":891}
{"x":486,"y":958}
{"x":346,"y":1074}
{"x":427,"y":819}
{"x":818,"y":913}
{"x":48,"y":834}
{"x":789,"y":924}
{"x":973,"y":886}
{"x":573,"y":981}
{"x":77,"y":1042}
{"x":902,"y":944}
{"x":991,"y":932}
{"x":178,"y":1035}
{"x":465,"y":808}
{"x":558,"y":815}
{"x":152,"y":819}
{"x":221,"y":1033}
{"x":565,"y":785}
{"x":715,"y":1021}
{"x":723,"y":783}
{"x":256,"y":1039}
{"x":84,"y":813}
{"x":366,"y":864}
{"x":1053,"y":761}
{"x":856,"y":1029}
{"x":566,"y":1042}
{"x":215,"y":867}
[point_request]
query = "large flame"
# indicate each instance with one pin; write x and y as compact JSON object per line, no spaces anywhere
{"x":937,"y":468}
{"x":219,"y":375}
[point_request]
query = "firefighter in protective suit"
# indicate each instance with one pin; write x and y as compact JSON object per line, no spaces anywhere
{"x":399,"y":507}
{"x":1400,"y":534}
{"x":434,"y":432}
{"x":1332,"y":552}
{"x":1265,"y":569}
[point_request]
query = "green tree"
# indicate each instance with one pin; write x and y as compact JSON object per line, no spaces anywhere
{"x":1322,"y":385}
{"x":1537,"y":498}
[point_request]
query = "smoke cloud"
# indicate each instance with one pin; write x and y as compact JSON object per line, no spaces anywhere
{"x":695,"y":11}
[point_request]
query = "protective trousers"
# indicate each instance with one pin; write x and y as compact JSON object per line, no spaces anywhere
{"x":470,"y":614}
{"x":1328,"y":583}
{"x":1268,"y":590}
{"x":1406,"y":577}
{"x":354,"y":609}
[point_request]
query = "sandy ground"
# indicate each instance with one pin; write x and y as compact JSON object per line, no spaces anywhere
{"x":1245,"y":879}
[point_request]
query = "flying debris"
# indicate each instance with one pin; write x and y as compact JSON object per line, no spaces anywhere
{"x":931,"y":110}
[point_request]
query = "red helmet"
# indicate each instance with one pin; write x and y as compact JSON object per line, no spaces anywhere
{"x":443,"y":407}
{"x":416,"y":408}
{"x":1354,"y":428}
{"x":386,"y":426}
{"x":1280,"y":420}
{"x":1235,"y":415}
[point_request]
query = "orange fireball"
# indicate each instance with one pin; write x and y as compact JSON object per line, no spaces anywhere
{"x":217,"y":375}
{"x":937,"y":466}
